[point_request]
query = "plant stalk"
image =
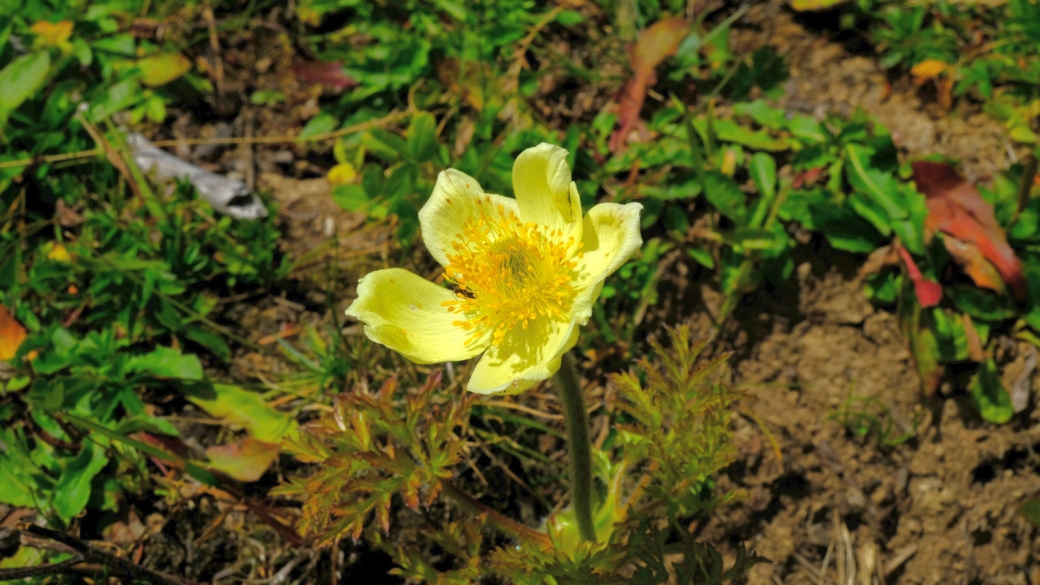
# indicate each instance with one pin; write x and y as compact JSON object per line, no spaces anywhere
{"x":579,"y":448}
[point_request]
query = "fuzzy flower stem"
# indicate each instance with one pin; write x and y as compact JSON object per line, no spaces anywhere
{"x":579,"y":449}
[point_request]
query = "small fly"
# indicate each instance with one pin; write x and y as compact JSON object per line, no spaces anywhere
{"x":458,"y":289}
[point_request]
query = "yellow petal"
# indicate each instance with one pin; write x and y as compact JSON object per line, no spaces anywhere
{"x":342,"y":174}
{"x":403,"y":312}
{"x":611,"y":237}
{"x":456,"y":197}
{"x":523,"y":358}
{"x":544,"y":191}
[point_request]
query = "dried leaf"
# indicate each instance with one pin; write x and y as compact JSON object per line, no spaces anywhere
{"x":329,"y":73}
{"x":928,"y":292}
{"x":956,"y":208}
{"x":655,"y":44}
{"x":246,"y":460}
{"x":878,"y":260}
{"x":12,"y":334}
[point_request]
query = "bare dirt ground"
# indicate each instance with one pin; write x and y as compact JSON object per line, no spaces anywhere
{"x":939,"y":508}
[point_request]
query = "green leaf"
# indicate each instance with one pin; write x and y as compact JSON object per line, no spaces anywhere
{"x":422,"y":137}
{"x":350,"y":197}
{"x":763,"y":173}
{"x":239,"y":407}
{"x":877,"y":186}
{"x":21,"y":78}
{"x":73,"y":487}
{"x":166,"y":362}
{"x":210,"y":341}
{"x":162,"y":68}
{"x":725,"y":195}
{"x":990,"y":395}
{"x":320,"y":124}
{"x":982,"y":304}
{"x":1031,"y":511}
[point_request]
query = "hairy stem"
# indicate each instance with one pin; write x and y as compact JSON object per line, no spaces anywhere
{"x":579,"y":449}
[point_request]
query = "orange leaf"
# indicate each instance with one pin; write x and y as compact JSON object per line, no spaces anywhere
{"x":927,"y":69}
{"x":655,"y":44}
{"x":975,"y":265}
{"x":12,"y":334}
{"x":956,"y":208}
{"x":246,"y":460}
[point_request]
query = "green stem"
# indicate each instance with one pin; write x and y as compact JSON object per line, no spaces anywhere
{"x":579,"y":448}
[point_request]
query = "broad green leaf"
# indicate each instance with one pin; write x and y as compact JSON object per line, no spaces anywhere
{"x":350,"y":197}
{"x":166,"y":362}
{"x":322,"y":123}
{"x":246,"y":460}
{"x":725,"y":195}
{"x":982,"y":304}
{"x":763,"y":173}
{"x":22,"y":78}
{"x":238,"y":407}
{"x":162,"y":68}
{"x":422,"y":137}
{"x":879,"y":187}
{"x":990,"y":395}
{"x":73,"y":488}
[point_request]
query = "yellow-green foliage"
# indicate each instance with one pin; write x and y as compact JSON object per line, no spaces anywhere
{"x":671,"y":436}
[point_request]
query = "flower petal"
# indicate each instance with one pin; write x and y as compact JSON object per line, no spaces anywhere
{"x":523,"y":358}
{"x":403,"y":311}
{"x":544,"y":190}
{"x":611,"y":237}
{"x":456,"y":197}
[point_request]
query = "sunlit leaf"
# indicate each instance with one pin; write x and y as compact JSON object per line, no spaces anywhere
{"x":246,"y":460}
{"x":162,"y":68}
{"x":12,"y":334}
{"x":238,"y":407}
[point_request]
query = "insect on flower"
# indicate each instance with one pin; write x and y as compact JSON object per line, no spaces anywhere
{"x":522,"y":274}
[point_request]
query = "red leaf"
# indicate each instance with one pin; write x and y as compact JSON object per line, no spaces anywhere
{"x":655,"y":44}
{"x":928,"y":292}
{"x":328,"y":73}
{"x":956,"y":208}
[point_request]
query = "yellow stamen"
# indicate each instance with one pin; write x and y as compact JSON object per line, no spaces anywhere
{"x":505,"y":273}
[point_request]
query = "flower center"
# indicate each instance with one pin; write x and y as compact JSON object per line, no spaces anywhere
{"x":506,"y":273}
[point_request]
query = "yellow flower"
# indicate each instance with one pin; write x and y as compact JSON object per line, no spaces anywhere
{"x":523,"y":274}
